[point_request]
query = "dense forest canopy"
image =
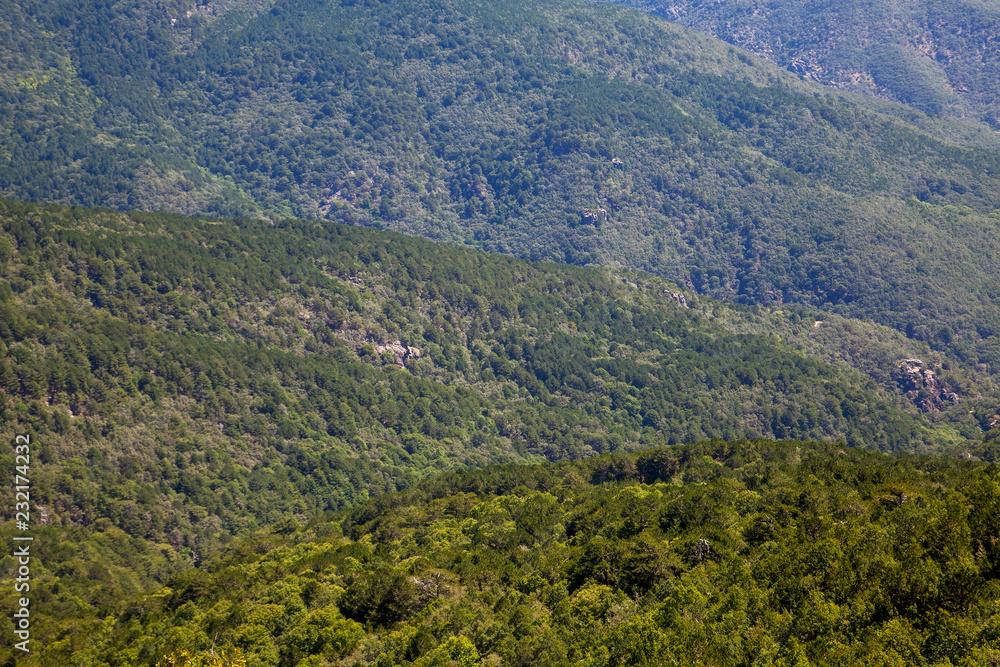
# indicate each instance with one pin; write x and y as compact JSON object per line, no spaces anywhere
{"x":719,"y":553}
{"x":187,"y":357}
{"x":189,"y":381}
{"x":581,"y":133}
{"x":275,"y":435}
{"x":938,"y":56}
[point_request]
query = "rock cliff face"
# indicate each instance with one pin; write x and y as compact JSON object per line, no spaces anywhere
{"x":923,"y":386}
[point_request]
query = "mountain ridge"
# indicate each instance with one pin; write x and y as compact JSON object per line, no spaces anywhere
{"x":502,"y":129}
{"x":188,"y":358}
{"x":939,"y":57}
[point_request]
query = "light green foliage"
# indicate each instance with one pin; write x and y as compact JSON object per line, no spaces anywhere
{"x":589,"y":605}
{"x":211,"y":658}
{"x":324,"y":631}
{"x":455,"y":652}
{"x":862,"y":582}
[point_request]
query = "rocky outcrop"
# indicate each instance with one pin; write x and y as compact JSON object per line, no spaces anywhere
{"x":678,"y":297}
{"x":594,"y":217}
{"x":923,"y":386}
{"x":400,"y":351}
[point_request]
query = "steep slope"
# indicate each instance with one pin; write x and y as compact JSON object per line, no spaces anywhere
{"x":941,"y":57}
{"x":187,"y":380}
{"x":574,"y":132}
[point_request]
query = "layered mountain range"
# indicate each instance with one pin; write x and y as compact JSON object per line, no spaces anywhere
{"x":186,"y":382}
{"x":587,"y":134}
{"x":266,"y":433}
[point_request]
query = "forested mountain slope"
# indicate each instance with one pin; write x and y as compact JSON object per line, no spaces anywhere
{"x":724,"y":554}
{"x":173,"y":354}
{"x":942,"y":56}
{"x":186,"y":381}
{"x":582,"y":133}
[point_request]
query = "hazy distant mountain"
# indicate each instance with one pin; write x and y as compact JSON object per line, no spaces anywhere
{"x":941,"y":56}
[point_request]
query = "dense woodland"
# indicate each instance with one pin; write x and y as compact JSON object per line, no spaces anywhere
{"x":745,"y":553}
{"x":580,"y":133}
{"x":278,"y":436}
{"x":207,"y":360}
{"x":188,"y":381}
{"x":938,"y":56}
